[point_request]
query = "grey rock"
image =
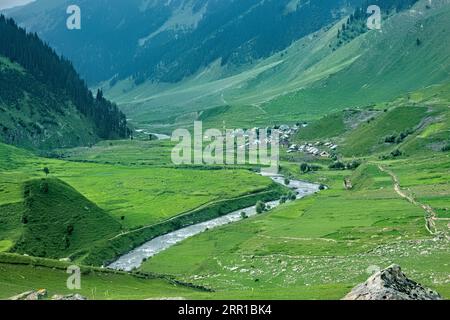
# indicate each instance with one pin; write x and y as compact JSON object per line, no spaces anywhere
{"x":75,"y":296}
{"x":391,"y":284}
{"x":31,"y":295}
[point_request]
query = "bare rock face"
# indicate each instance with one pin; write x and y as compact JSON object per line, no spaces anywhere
{"x":391,"y":284}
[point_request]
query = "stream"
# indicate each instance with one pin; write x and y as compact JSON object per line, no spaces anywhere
{"x":135,"y":258}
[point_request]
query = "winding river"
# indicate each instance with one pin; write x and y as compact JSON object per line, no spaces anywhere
{"x":135,"y":258}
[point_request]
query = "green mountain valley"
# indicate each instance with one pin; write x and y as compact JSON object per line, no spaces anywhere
{"x":87,"y":176}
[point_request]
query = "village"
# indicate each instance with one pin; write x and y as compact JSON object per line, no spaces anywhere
{"x":285,"y":132}
{"x":317,"y":149}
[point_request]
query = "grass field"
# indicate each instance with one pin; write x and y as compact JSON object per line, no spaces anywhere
{"x":119,"y":197}
{"x":316,"y":248}
{"x":142,"y":194}
{"x":20,"y":274}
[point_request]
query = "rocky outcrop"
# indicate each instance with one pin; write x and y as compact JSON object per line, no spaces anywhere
{"x":42,"y":294}
{"x":391,"y":284}
{"x":31,"y":295}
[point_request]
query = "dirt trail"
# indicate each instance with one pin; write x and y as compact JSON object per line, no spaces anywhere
{"x":430,"y":216}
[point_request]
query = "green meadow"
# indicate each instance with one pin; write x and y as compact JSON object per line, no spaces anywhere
{"x":318,"y":247}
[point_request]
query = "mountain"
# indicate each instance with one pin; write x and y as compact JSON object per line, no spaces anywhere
{"x":166,"y":41}
{"x":167,"y":63}
{"x":312,"y":77}
{"x":44,"y":102}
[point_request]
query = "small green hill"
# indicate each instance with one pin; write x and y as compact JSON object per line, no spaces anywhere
{"x":58,"y":222}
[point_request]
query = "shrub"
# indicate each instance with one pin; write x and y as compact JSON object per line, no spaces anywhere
{"x":390,"y":139}
{"x":322,"y":187}
{"x":353,"y":165}
{"x":69,"y":229}
{"x":338,"y":165}
{"x":244,"y":215}
{"x":396,"y":153}
{"x":46,"y":171}
{"x":260,"y":207}
{"x":304,"y":167}
{"x":446,"y":148}
{"x":292,"y":196}
{"x":287,"y":181}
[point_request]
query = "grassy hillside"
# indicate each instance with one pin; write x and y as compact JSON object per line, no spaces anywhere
{"x":43,"y":101}
{"x":415,"y":123}
{"x":33,"y":115}
{"x":59,"y":222}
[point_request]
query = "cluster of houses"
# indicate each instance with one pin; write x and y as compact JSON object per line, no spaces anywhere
{"x":284,"y":132}
{"x":313,"y":149}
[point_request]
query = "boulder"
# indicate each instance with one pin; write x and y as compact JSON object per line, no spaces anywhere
{"x":31,"y":295}
{"x":391,"y":284}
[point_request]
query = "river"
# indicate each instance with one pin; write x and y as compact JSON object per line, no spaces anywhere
{"x":135,"y":258}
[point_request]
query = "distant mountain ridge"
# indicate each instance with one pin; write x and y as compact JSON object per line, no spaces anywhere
{"x":166,"y":41}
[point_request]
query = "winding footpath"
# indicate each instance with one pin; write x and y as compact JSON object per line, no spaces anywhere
{"x":430,"y":216}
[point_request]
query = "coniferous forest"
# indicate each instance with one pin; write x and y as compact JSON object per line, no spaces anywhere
{"x":59,"y":75}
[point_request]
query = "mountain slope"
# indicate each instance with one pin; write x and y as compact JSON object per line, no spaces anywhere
{"x":43,"y":101}
{"x":310,"y":78}
{"x":170,"y":40}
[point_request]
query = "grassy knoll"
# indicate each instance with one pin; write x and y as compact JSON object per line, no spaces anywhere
{"x":57,"y":221}
{"x":369,"y":138}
